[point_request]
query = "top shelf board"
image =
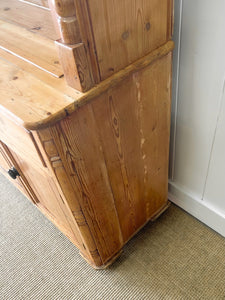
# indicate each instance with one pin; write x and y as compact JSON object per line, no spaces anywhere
{"x":30,"y":47}
{"x":33,"y":18}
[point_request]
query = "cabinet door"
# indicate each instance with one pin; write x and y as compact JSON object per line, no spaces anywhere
{"x":40,"y":188}
{"x":47,"y":197}
{"x":7,"y":162}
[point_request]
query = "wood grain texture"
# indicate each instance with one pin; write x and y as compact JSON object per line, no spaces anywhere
{"x":114,"y":33}
{"x":29,"y":94}
{"x":33,"y":18}
{"x":39,"y":3}
{"x":23,"y":94}
{"x":87,"y":245}
{"x":75,"y":66}
{"x":74,"y":57}
{"x":86,"y":32}
{"x":126,"y":30}
{"x":58,"y":84}
{"x":111,"y":162}
{"x":24,"y":44}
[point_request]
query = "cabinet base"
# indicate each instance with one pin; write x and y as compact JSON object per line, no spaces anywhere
{"x":115,"y":256}
{"x":105,"y":265}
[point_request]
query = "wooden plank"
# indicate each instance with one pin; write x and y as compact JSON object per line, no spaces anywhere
{"x":73,"y":137}
{"x":24,"y":44}
{"x":87,"y":245}
{"x":33,"y":18}
{"x":39,"y":3}
{"x":87,"y":37}
{"x":27,"y":97}
{"x":59,"y":84}
{"x":126,"y":30}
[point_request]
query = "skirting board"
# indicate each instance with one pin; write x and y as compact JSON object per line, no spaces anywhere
{"x":197,"y":208}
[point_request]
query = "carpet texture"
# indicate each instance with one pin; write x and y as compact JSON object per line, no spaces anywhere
{"x":177,"y":257}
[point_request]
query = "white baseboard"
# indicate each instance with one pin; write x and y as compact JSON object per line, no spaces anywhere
{"x":197,"y":207}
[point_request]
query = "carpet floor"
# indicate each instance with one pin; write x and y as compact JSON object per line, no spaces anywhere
{"x":177,"y":257}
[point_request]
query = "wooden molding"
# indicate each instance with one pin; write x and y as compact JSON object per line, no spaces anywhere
{"x":75,"y":66}
{"x":64,"y":15}
{"x":72,"y":53}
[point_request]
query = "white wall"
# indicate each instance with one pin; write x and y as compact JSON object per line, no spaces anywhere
{"x":197,"y":157}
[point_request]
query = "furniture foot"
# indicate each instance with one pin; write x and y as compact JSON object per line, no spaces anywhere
{"x":106,"y":264}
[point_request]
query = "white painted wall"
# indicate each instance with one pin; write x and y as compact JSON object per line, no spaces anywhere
{"x":197,"y":157}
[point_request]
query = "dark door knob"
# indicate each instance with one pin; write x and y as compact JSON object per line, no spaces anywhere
{"x":13,"y":173}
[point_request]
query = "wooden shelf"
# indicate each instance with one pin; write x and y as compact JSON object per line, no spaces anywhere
{"x":33,"y":18}
{"x":26,"y":96}
{"x":30,"y":47}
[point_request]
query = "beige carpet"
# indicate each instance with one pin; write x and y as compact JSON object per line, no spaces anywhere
{"x":177,"y":257}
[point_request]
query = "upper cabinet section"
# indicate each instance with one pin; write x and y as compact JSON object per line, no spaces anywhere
{"x":95,"y":38}
{"x":124,"y":31}
{"x":99,"y":37}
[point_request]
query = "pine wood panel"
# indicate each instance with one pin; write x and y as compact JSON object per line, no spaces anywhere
{"x":92,"y":188}
{"x":30,"y":47}
{"x":87,"y":245}
{"x":33,"y":18}
{"x":127,"y":30}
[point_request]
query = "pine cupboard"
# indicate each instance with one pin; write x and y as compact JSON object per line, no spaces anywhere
{"x":85,"y":115}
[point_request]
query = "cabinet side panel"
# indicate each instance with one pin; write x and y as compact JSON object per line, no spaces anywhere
{"x":115,"y":153}
{"x":133,"y":122}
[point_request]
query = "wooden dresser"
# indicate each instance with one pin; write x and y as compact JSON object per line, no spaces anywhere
{"x":85,"y":92}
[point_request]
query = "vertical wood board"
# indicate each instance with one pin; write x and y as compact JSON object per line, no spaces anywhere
{"x":127,"y":30}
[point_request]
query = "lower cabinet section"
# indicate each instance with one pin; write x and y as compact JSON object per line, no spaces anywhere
{"x":38,"y":186}
{"x":101,"y":173}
